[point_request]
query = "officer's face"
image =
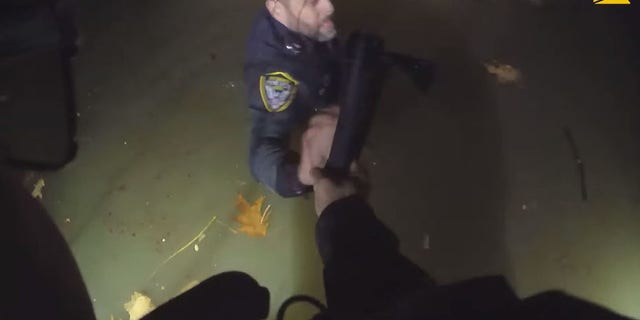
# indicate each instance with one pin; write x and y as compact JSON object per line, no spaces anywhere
{"x":309,"y":17}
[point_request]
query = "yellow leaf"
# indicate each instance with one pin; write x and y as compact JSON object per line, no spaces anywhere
{"x":37,"y":189}
{"x":505,"y":74}
{"x":252,"y":219}
{"x":138,"y":306}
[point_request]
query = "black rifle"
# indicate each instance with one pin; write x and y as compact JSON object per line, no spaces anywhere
{"x":365,"y":70}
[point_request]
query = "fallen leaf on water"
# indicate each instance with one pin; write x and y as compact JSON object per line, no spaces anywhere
{"x":138,"y":306}
{"x":37,"y":189}
{"x":253,"y":220}
{"x":504,"y":73}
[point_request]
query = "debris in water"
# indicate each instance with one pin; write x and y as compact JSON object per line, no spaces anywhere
{"x":138,"y":306}
{"x":524,"y":207}
{"x":579,"y":163}
{"x":426,"y":242}
{"x":505,"y":74}
{"x":199,"y":236}
{"x":37,"y":189}
{"x":252,"y":219}
{"x":67,"y":220}
{"x":125,"y":142}
{"x":164,"y":240}
{"x":229,"y":84}
{"x":232,"y":230}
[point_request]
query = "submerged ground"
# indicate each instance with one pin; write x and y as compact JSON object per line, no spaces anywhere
{"x":476,"y":178}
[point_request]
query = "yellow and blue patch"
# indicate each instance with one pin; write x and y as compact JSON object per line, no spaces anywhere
{"x":277,"y":89}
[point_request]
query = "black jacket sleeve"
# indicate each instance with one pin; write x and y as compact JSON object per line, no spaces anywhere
{"x":364,"y":272}
{"x":271,"y":160}
{"x":367,"y":278}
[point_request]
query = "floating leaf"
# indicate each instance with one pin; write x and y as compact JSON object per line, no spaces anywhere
{"x":252,"y":219}
{"x":138,"y":306}
{"x":37,"y":189}
{"x":505,"y":74}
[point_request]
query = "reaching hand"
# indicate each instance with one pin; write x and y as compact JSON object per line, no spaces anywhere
{"x":316,"y":143}
{"x":328,"y":189}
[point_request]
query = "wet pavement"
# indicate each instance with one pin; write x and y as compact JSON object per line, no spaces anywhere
{"x":477,"y":177}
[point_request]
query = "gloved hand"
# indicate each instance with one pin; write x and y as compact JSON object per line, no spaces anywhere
{"x":316,"y":147}
{"x":329,"y":189}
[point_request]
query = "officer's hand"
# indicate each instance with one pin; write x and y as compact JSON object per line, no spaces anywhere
{"x":316,"y":143}
{"x":328,"y":189}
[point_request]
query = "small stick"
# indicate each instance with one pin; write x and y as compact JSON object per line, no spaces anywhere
{"x":265,"y":213}
{"x":184,"y":247}
{"x":234,"y":231}
{"x":579,"y":162}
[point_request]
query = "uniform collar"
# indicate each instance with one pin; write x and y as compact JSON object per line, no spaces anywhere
{"x":287,"y":40}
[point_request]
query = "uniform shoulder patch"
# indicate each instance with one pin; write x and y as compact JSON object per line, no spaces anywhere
{"x":277,"y":90}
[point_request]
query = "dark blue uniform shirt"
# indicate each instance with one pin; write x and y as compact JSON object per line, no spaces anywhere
{"x":288,"y":77}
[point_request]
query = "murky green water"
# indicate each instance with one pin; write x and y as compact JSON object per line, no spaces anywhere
{"x":163,"y":134}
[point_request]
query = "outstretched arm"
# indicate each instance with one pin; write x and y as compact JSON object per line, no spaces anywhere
{"x":271,"y":160}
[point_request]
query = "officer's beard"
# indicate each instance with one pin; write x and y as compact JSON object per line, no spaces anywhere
{"x":326,"y":34}
{"x":318,"y":33}
{"x":315,"y":32}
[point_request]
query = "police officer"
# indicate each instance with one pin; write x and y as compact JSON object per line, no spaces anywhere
{"x":291,"y":72}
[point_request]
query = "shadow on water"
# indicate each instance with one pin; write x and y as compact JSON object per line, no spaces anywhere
{"x":435,"y":160}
